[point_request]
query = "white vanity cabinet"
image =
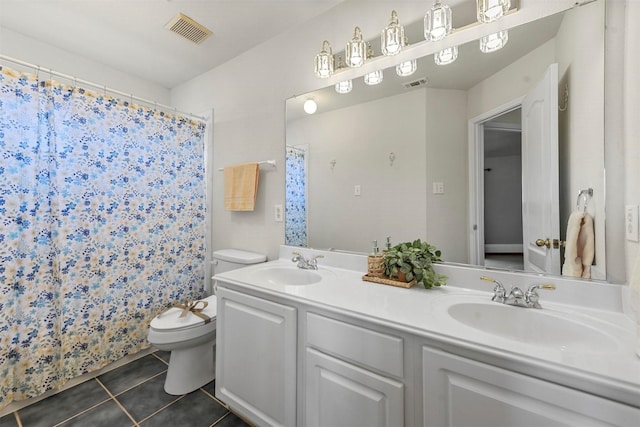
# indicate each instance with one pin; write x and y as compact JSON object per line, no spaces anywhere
{"x":457,"y":391}
{"x":256,"y":358}
{"x":353,"y":375}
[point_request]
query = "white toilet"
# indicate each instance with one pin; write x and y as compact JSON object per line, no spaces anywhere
{"x":190,"y":339}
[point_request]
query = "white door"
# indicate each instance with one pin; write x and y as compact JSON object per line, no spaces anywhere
{"x":540,"y":205}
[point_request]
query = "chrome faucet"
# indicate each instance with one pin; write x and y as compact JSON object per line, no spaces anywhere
{"x":516,"y":296}
{"x":306,"y":264}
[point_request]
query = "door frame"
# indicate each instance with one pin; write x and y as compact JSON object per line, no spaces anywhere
{"x":476,"y":178}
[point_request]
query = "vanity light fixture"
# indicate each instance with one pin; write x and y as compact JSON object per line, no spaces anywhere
{"x":446,"y":56}
{"x":344,"y":86}
{"x":392,"y":37}
{"x":491,"y":10}
{"x":406,"y":68}
{"x":374,"y":77}
{"x":355,"y":50}
{"x":324,"y":61}
{"x":494,"y":41}
{"x":310,"y":106}
{"x":437,"y":22}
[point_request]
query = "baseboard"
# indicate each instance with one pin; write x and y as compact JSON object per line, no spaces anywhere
{"x":503,"y":248}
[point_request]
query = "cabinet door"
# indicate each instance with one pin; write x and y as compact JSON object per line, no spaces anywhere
{"x":256,"y":358}
{"x":462,"y":392}
{"x":341,"y":394}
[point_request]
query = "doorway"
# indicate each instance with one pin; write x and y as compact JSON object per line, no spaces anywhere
{"x":502,"y":175}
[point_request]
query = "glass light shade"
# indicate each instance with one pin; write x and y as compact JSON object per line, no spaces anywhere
{"x":490,"y":10}
{"x":392,"y":37}
{"x":324,"y":61}
{"x":494,"y":41}
{"x":437,"y":22}
{"x":446,"y":56}
{"x":406,"y":68}
{"x":310,"y":106}
{"x":355,"y":50}
{"x":344,"y":86}
{"x":373,"y":78}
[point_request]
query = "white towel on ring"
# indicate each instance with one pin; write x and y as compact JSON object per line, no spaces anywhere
{"x":580,"y":246}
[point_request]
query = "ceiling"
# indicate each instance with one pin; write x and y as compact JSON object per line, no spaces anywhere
{"x":130,"y":35}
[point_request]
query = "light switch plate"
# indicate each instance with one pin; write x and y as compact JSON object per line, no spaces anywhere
{"x":438,"y":188}
{"x":356,"y":190}
{"x":631,"y":222}
{"x":278,"y":214}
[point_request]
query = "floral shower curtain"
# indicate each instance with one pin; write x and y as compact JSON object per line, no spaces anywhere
{"x":296,"y":198}
{"x":101,"y":227}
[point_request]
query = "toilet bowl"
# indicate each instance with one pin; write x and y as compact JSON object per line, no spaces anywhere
{"x":191,"y":342}
{"x":191,"y":338}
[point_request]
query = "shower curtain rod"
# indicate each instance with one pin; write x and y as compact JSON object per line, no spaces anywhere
{"x":103,"y":87}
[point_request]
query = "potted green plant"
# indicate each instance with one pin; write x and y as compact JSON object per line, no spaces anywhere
{"x":415,"y":261}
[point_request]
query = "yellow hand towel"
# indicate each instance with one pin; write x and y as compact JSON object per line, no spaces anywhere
{"x":241,"y":186}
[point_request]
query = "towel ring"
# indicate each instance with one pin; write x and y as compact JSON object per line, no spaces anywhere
{"x":586,"y":194}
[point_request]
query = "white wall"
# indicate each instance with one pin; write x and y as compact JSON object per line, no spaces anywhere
{"x":502,"y":197}
{"x":632,"y":120}
{"x":27,"y":49}
{"x":447,"y":163}
{"x":580,"y":56}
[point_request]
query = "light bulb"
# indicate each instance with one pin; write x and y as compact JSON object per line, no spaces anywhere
{"x":491,"y":10}
{"x":324,"y":61}
{"x":437,"y":22}
{"x":344,"y":86}
{"x":446,"y":56}
{"x":494,"y":41}
{"x":355,"y":50}
{"x":392,"y":37}
{"x":310,"y":106}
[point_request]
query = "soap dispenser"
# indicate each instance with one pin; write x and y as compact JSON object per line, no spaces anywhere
{"x":375,"y":262}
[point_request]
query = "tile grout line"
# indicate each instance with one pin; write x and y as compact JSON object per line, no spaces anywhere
{"x":84,"y":411}
{"x":159,"y":358}
{"x":224,"y":405}
{"x":118,"y":403}
{"x":137,"y":384}
{"x":18,"y":420}
{"x":162,"y":409}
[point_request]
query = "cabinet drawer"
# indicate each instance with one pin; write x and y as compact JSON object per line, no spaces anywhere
{"x":363,"y":346}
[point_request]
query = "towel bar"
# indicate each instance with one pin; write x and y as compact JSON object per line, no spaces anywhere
{"x":264,"y":162}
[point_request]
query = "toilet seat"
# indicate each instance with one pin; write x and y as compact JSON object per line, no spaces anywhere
{"x":170,"y":320}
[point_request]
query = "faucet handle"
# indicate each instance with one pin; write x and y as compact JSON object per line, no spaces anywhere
{"x":499,"y":292}
{"x":532,"y":298}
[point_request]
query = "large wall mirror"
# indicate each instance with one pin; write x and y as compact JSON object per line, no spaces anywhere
{"x":438,"y":155}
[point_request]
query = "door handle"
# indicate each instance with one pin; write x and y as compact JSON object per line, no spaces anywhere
{"x":540,"y":243}
{"x":547,"y":242}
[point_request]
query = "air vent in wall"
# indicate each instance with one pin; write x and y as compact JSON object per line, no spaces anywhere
{"x":416,"y":83}
{"x":188,"y":28}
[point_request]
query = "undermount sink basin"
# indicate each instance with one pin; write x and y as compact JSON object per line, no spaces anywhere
{"x":288,"y":276}
{"x":532,"y":326}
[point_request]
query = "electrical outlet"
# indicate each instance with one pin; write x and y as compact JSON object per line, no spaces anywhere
{"x":438,"y":188}
{"x":356,"y":190}
{"x":278,"y":214}
{"x":631,"y":222}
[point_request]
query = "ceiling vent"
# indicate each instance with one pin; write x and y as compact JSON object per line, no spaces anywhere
{"x":420,"y":82}
{"x":188,"y":28}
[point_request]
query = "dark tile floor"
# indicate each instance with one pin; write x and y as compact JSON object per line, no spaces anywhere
{"x":131,"y":395}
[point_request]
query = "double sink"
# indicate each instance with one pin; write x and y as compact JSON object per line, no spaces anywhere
{"x":557,"y":327}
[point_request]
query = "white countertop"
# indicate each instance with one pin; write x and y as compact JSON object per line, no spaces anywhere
{"x":613,"y":372}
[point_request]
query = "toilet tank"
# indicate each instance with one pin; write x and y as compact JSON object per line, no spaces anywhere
{"x":231,"y":259}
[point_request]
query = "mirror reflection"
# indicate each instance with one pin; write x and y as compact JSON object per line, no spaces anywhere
{"x":438,"y":155}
